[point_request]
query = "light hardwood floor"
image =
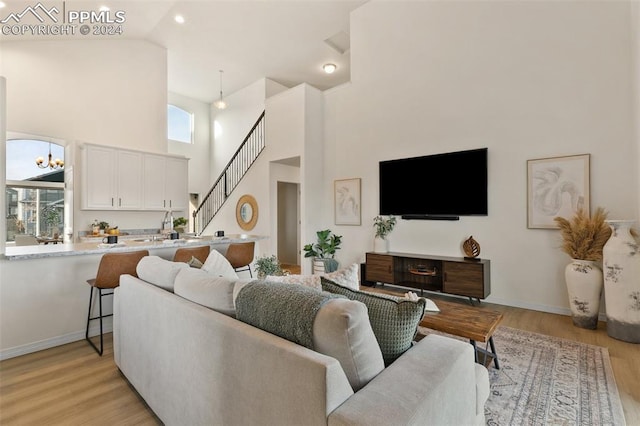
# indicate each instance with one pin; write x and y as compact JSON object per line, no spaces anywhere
{"x":72,"y":385}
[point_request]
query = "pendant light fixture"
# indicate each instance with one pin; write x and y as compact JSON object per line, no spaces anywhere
{"x":220,"y":103}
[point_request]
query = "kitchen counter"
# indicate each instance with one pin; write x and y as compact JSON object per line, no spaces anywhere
{"x":124,"y":245}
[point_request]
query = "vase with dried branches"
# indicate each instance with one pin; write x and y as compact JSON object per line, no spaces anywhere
{"x":583,"y":238}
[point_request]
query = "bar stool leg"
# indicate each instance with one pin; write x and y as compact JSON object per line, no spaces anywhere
{"x":100,"y":350}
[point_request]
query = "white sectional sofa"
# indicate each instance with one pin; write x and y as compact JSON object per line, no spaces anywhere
{"x":194,"y":365}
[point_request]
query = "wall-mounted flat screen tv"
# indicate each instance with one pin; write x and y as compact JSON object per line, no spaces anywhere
{"x":439,"y":186}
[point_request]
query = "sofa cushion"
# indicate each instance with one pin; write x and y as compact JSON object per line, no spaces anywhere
{"x":159,"y":271}
{"x":394,"y":320}
{"x":342,"y":330}
{"x":347,"y":277}
{"x":327,"y":323}
{"x":218,"y":265}
{"x":207,"y":290}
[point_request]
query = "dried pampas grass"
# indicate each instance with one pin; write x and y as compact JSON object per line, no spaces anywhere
{"x":583,"y":237}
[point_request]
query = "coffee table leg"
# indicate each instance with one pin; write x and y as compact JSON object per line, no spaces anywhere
{"x":475,"y":349}
{"x":493,"y":349}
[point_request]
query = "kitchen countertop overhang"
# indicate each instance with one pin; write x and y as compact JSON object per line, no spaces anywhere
{"x":125,"y":245}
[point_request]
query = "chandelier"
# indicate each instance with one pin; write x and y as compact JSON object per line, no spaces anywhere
{"x":52,"y":164}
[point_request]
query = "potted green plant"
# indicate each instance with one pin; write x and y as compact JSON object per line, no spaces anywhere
{"x":179,"y":224}
{"x":583,"y":238}
{"x":103,"y":226}
{"x":323,"y":251}
{"x":383,"y":226}
{"x":268,"y":265}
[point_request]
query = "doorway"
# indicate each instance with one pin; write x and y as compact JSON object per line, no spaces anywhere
{"x":289,"y":226}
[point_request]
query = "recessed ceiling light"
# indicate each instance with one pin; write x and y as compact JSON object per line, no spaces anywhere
{"x":329,"y":68}
{"x":104,"y":9}
{"x":179,"y":19}
{"x":2,"y":4}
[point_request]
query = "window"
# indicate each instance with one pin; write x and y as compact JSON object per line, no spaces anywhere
{"x":179,"y":124}
{"x":35,"y":196}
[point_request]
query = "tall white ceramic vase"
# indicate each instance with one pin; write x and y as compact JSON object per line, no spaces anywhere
{"x":584,"y":287}
{"x":380,"y":245}
{"x":621,"y":260}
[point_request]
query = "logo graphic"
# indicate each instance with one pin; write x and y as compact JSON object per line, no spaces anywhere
{"x":39,"y":20}
{"x":34,"y":11}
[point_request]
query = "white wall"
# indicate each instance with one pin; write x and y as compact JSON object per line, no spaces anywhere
{"x":232,"y":124}
{"x":108,"y":92}
{"x":199,"y":151}
{"x":525,"y":79}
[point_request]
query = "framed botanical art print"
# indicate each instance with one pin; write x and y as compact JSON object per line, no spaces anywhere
{"x":556,"y":186}
{"x":347,"y":207}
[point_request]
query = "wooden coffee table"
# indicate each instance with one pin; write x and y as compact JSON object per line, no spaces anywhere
{"x":471,"y":322}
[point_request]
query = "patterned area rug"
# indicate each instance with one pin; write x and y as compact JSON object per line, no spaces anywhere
{"x":545,"y":380}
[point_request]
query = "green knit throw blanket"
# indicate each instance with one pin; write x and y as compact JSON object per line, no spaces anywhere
{"x":286,"y":310}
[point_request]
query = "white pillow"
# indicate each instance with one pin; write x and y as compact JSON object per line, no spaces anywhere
{"x":159,"y":271}
{"x":207,"y":290}
{"x":218,"y":265}
{"x":347,"y":277}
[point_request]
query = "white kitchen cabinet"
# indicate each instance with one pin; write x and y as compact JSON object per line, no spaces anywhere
{"x":99,"y":181}
{"x":112,"y":179}
{"x":119,"y":179}
{"x":129,"y":177}
{"x":166,"y":183}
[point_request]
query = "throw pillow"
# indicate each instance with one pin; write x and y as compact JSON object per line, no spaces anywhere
{"x":394,"y":320}
{"x":218,"y":265}
{"x":347,"y":277}
{"x":159,"y":271}
{"x":329,"y":324}
{"x":312,"y":281}
{"x":207,"y":290}
{"x":194,"y":262}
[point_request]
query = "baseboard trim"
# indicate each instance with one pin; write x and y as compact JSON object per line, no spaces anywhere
{"x":52,"y":342}
{"x":537,"y":307}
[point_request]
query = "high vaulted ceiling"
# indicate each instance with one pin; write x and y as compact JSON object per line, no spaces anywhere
{"x":280,"y":40}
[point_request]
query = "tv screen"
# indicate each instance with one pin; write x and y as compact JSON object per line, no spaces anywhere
{"x":445,"y":185}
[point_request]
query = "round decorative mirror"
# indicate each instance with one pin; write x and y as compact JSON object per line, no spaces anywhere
{"x":247,"y":212}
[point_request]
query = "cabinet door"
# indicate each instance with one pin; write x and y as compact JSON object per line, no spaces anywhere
{"x":380,"y":268}
{"x":99,"y":178}
{"x":176,"y":184}
{"x":129,"y":177}
{"x":154,"y":182}
{"x":464,"y":279}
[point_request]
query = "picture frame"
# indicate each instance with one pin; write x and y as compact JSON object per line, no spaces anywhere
{"x":556,"y":186}
{"x":347,"y":202}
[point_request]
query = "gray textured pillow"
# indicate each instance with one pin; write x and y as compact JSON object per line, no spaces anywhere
{"x":394,"y":320}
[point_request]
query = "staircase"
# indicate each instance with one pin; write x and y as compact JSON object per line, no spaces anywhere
{"x":231,"y":176}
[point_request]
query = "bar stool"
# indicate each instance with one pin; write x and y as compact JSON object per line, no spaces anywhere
{"x":111,"y":266}
{"x":184,"y":254}
{"x":240,"y":255}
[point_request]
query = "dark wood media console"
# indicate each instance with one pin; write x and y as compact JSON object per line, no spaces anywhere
{"x":451,"y":275}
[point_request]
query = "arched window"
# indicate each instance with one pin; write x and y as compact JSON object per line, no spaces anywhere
{"x":35,"y":193}
{"x":179,"y":124}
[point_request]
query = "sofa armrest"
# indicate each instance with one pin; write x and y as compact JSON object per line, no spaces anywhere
{"x":434,"y":382}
